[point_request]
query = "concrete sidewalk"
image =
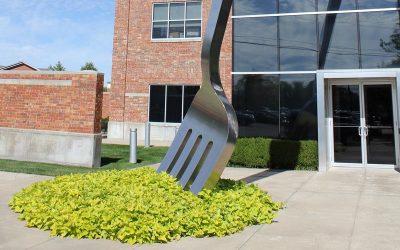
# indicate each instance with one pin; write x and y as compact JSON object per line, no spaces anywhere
{"x":341,"y":209}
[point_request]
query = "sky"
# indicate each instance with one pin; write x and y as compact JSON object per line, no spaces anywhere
{"x":42,"y":32}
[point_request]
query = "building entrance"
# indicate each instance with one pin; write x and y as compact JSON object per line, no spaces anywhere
{"x":363,"y":125}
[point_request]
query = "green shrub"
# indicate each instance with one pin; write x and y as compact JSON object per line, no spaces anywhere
{"x":140,"y":206}
{"x":251,"y":152}
{"x":264,"y":152}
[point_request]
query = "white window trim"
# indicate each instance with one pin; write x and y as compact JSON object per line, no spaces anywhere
{"x":183,"y":39}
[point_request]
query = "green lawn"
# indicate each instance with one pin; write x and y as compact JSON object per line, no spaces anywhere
{"x":112,"y":157}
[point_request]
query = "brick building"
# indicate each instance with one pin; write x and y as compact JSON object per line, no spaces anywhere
{"x":325,"y":70}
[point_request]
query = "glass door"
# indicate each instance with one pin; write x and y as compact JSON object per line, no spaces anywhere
{"x":364,"y":124}
{"x":379,"y":124}
{"x":346,"y":124}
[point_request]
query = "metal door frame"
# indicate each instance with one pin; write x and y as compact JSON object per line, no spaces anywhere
{"x":324,"y":118}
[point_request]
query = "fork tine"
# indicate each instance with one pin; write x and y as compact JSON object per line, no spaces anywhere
{"x":194,"y":163}
{"x":175,"y":150}
{"x":187,"y":150}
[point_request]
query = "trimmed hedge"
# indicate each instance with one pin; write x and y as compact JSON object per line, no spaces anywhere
{"x":264,"y":152}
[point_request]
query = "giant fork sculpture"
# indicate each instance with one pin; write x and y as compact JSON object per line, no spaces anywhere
{"x":207,"y":136}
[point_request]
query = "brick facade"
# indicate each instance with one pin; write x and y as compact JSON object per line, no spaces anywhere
{"x":67,"y":102}
{"x":138,"y":61}
{"x":106,"y":105}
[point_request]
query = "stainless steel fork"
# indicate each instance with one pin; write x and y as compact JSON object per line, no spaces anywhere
{"x":207,"y":136}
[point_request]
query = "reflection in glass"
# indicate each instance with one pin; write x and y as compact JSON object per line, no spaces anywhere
{"x":376,"y":4}
{"x":190,"y":92}
{"x":174,"y":104}
{"x":289,"y":6}
{"x":344,"y":5}
{"x":254,"y":7}
{"x":346,"y":122}
{"x":177,"y":11}
{"x":160,"y":29}
{"x":379,"y":120}
{"x":193,"y":29}
{"x":340,"y":43}
{"x":160,"y":12}
{"x":255,"y":48}
{"x":157,"y":103}
{"x":193,"y":10}
{"x":380,"y":39}
{"x":256,"y":101}
{"x":298,"y":108}
{"x":298,"y":42}
{"x":176,"y":29}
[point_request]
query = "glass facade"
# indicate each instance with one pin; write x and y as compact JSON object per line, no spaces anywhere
{"x":278,"y":45}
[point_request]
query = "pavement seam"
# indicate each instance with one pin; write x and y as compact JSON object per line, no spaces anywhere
{"x":357,"y":208}
{"x":286,"y":201}
{"x":40,"y":243}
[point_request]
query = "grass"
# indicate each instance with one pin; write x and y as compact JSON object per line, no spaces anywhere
{"x":112,"y":157}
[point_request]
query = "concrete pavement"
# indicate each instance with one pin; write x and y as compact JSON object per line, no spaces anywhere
{"x":340,"y":209}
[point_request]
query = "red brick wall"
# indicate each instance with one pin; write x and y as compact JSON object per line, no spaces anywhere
{"x":106,"y":105}
{"x":75,"y":108}
{"x":139,"y":62}
{"x":22,"y":67}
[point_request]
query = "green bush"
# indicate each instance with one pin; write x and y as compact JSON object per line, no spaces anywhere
{"x":140,"y":206}
{"x":264,"y":152}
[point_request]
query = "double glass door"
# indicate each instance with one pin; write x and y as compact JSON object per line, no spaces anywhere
{"x":364,"y":126}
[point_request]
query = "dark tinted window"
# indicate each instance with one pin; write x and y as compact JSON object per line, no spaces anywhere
{"x":288,"y":6}
{"x":380,"y":39}
{"x":254,"y":7}
{"x":372,"y":4}
{"x":174,"y":104}
{"x":190,"y":92}
{"x":323,"y":5}
{"x":255,"y":44}
{"x":256,"y":101}
{"x":298,"y":108}
{"x":338,"y":41}
{"x":298,"y":42}
{"x":157,"y":103}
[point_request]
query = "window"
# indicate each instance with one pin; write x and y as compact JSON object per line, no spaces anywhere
{"x":170,"y":103}
{"x":181,"y":20}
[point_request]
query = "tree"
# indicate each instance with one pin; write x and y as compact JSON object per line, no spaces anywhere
{"x":57,"y":67}
{"x":89,"y":66}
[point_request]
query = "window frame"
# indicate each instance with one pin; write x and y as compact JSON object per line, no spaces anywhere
{"x":166,"y":101}
{"x":184,"y":20}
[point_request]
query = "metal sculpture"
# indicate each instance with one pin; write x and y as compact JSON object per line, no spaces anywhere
{"x":207,"y":136}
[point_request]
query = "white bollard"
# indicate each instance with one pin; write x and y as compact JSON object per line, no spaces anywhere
{"x":133,"y":145}
{"x":147,"y":135}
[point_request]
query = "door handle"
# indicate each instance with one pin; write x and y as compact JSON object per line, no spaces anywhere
{"x":360,"y":131}
{"x":366,"y":131}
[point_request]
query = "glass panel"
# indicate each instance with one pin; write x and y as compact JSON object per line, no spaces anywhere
{"x":190,"y":92}
{"x":160,"y":12}
{"x":376,"y":4}
{"x":346,"y":122}
{"x":193,"y":29}
{"x":289,"y":6}
{"x":298,"y":112}
{"x":380,"y":39}
{"x":193,"y":10}
{"x":323,"y":5}
{"x":346,"y":105}
{"x":298,"y":41}
{"x":254,"y":7}
{"x":255,"y":49}
{"x":157,"y":103}
{"x":347,"y":145}
{"x":177,"y":11}
{"x":174,"y":104}
{"x":338,"y":41}
{"x":256,"y":101}
{"x":379,"y":120}
{"x":176,"y":29}
{"x":160,"y":30}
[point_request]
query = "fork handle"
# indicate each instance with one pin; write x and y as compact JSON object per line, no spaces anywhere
{"x":216,"y":26}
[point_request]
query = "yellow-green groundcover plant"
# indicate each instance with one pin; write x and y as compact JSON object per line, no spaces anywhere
{"x":140,"y":206}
